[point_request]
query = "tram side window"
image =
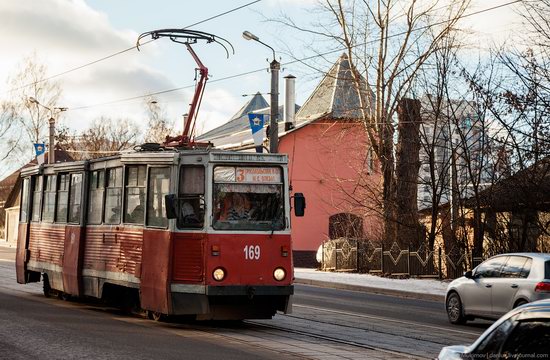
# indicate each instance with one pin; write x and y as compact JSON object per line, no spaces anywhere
{"x":75,"y":196}
{"x":97,"y":188}
{"x":135,"y":194}
{"x":62,"y":198}
{"x":191,"y":197}
{"x":157,"y":188}
{"x":48,"y":205}
{"x":36,"y":197}
{"x":113,"y":196}
{"x":24,"y":210}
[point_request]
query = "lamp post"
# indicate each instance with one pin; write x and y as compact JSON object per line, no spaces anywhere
{"x":51,"y":121}
{"x":274,"y":67}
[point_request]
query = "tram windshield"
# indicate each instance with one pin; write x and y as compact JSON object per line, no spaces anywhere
{"x":248,"y":198}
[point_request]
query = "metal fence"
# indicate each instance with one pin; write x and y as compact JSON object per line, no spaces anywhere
{"x":346,"y":254}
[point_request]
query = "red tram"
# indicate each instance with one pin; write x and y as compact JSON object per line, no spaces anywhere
{"x":180,"y":232}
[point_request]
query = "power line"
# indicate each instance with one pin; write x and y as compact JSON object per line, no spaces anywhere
{"x":293,"y":61}
{"x":127,"y":49}
{"x":165,"y":91}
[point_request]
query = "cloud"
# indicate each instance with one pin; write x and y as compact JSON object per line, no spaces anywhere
{"x":66,"y":34}
{"x":59,"y":27}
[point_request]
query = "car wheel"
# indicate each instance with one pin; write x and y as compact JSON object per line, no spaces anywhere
{"x":455,"y":312}
{"x":519,"y":303}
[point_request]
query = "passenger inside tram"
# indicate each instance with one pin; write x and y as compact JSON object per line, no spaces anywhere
{"x":236,"y":207}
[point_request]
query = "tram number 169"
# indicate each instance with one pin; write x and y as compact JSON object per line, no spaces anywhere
{"x":252,"y":252}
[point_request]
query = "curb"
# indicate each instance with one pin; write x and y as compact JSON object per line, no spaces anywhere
{"x":369,"y":289}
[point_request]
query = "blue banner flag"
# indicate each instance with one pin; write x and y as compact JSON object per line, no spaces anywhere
{"x":256,"y":125}
{"x":256,"y":122}
{"x":39,"y":149}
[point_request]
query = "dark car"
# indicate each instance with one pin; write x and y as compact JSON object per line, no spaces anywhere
{"x":520,"y":334}
{"x":498,"y":285}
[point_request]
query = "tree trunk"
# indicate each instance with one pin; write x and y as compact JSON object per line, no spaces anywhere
{"x":409,"y":230}
{"x":388,"y":194}
{"x":478,"y":233}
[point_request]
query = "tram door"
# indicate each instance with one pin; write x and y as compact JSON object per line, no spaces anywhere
{"x":23,"y":233}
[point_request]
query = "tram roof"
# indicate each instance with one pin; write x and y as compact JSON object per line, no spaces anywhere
{"x":171,"y":157}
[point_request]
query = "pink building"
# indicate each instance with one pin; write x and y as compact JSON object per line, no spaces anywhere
{"x":330,"y":161}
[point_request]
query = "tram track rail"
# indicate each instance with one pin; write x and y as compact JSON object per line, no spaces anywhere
{"x":387,"y":319}
{"x":377,"y":333}
{"x":324,"y":338}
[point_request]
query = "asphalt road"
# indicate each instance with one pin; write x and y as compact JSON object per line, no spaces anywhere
{"x":348,"y":324}
{"x":406,"y":310}
{"x":35,"y":327}
{"x":418,"y":328}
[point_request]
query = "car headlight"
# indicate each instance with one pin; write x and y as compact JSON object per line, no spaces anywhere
{"x":279,"y":274}
{"x":218,"y":274}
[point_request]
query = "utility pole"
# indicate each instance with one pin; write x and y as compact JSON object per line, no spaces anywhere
{"x":274,"y":67}
{"x":51,"y":141}
{"x":51,"y":121}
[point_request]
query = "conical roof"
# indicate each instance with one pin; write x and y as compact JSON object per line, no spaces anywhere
{"x":257,"y":102}
{"x":239,"y":121}
{"x":336,"y":96}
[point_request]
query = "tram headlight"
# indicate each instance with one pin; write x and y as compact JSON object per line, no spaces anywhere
{"x":218,"y":274}
{"x":279,"y":274}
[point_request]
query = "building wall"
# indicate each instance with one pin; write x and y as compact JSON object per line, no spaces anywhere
{"x":330,"y":163}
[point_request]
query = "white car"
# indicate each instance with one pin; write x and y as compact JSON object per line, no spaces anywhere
{"x":523,"y":333}
{"x":498,"y":285}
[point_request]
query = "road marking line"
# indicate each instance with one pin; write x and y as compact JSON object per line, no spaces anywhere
{"x":386,"y":319}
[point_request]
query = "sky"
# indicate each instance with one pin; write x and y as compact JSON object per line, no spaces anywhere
{"x":65,"y":34}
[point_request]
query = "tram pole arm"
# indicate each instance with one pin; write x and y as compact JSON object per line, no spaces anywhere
{"x":189,"y":126}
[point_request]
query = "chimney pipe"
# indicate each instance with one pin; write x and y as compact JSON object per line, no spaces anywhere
{"x":185,"y":119}
{"x":290,"y":101}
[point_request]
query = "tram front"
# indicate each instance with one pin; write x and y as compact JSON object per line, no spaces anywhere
{"x":232,"y":254}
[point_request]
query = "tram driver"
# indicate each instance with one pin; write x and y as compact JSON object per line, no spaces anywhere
{"x":236,"y":207}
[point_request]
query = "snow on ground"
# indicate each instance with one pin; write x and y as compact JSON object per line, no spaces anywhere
{"x":426,"y":286}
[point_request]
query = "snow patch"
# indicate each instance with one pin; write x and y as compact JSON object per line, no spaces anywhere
{"x":426,"y":286}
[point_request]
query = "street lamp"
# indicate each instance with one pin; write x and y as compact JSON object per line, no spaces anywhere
{"x":51,"y":121}
{"x":274,"y":66}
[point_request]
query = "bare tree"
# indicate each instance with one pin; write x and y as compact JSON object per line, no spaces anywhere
{"x":157,"y":126}
{"x":461,"y":150}
{"x":387,"y":43}
{"x":515,"y":86}
{"x":537,"y":19}
{"x":29,"y":82}
{"x":104,"y":137}
{"x":10,"y":134}
{"x":433,"y":88}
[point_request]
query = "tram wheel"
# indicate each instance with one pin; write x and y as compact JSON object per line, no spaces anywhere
{"x":46,"y":288}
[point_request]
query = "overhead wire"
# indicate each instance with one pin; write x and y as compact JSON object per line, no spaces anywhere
{"x":296,"y":60}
